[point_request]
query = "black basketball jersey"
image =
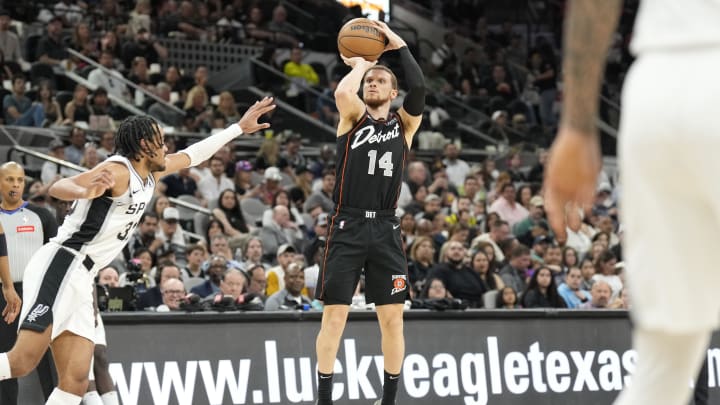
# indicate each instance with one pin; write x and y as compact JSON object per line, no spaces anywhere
{"x":371,"y":160}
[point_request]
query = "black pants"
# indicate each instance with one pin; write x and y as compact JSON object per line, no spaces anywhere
{"x":45,"y":369}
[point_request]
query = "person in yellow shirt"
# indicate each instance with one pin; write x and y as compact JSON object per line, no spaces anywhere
{"x":276,"y":275}
{"x":300,"y":74}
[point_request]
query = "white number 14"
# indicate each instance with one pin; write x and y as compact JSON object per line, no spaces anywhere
{"x":385,"y":163}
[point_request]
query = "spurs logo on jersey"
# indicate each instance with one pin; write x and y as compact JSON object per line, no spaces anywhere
{"x":37,"y":312}
{"x":372,"y":159}
{"x":101,"y":227}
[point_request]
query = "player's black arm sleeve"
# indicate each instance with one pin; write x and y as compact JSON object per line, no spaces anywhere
{"x":414,"y":103}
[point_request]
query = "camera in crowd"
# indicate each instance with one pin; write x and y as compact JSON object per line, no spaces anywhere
{"x":115,"y":299}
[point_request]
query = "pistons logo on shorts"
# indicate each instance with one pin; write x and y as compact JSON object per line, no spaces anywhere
{"x":399,"y":283}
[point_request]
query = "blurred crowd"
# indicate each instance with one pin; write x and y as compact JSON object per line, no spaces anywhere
{"x":475,"y":231}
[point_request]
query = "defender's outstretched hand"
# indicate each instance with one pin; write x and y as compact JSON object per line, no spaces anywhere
{"x":248,"y":123}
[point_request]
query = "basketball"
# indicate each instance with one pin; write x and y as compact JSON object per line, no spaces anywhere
{"x":360,"y":37}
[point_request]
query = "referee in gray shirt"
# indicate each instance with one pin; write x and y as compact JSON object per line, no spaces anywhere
{"x":27,"y":227}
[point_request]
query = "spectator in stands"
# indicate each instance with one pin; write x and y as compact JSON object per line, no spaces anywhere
{"x":180,"y":183}
{"x":507,"y":207}
{"x":172,"y":78}
{"x":51,"y":172}
{"x":256,"y":30}
{"x":499,"y":85}
{"x":323,"y":198}
{"x":543,"y":76}
{"x":499,"y":231}
{"x":513,"y":274}
{"x":493,"y":265}
{"x":70,"y":12}
{"x":173,"y":292}
{"x":190,"y":22}
{"x":228,"y":28}
{"x":145,"y":261}
{"x":211,"y":186}
{"x":282,"y":197}
{"x":470,"y":68}
{"x":326,"y":160}
{"x":269,"y":155}
{"x":163,"y":112}
{"x":444,"y":59}
{"x":51,"y":108}
{"x":218,"y":266}
{"x":18,"y":109}
{"x":139,"y":18}
{"x":109,"y":79}
{"x":108,"y":277}
{"x":524,"y":194}
{"x":320,"y":232}
{"x":291,"y":296}
{"x":227,"y":109}
{"x":541,"y":291}
{"x":9,"y":41}
{"x":257,"y":282}
{"x":537,"y":171}
{"x":102,"y":110}
{"x":229,"y":213}
{"x":153,"y":297}
{"x":172,"y":234}
{"x":285,"y":255}
{"x":526,"y":230}
{"x":515,"y":168}
{"x":197,"y":110}
{"x":196,"y":255}
{"x":285,"y":33}
{"x":253,"y":254}
{"x":201,"y":79}
{"x":50,"y":48}
{"x":212,"y":228}
{"x":587,"y":267}
{"x":266,"y":79}
{"x":243,"y":180}
{"x":281,"y":230}
{"x":434,"y":289}
{"x":301,"y":75}
{"x":303,"y":187}
{"x":605,"y":271}
{"x":158,"y":205}
{"x":233,"y":283}
{"x":83,"y":42}
{"x":570,"y":290}
{"x":292,"y":153}
{"x":78,"y":109}
{"x":140,"y":75}
{"x":481,"y":265}
{"x":507,"y":299}
{"x":270,"y":185}
{"x":75,"y":151}
{"x":145,"y":46}
{"x":325,"y":107}
{"x":109,"y":43}
{"x":461,"y":281}
{"x":220,"y":246}
{"x":90,"y":157}
{"x":456,"y":169}
{"x":601,"y":294}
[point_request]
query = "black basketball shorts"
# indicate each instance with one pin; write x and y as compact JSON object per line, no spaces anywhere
{"x":364,"y":240}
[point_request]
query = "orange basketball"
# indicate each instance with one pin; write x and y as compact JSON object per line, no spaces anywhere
{"x":360,"y":37}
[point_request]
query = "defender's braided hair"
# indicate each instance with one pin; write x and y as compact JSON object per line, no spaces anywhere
{"x":131,"y":132}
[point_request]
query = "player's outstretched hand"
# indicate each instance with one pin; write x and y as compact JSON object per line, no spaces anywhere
{"x":394,"y":40}
{"x":357,"y":61}
{"x":248,"y":123}
{"x":570,"y":179}
{"x":101,"y":182}
{"x":12,"y":309}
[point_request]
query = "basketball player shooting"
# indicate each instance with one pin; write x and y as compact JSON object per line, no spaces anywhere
{"x":109,"y":200}
{"x":372,"y":146}
{"x":662,"y":203}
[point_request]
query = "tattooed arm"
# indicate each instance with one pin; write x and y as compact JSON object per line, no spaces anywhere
{"x":575,"y":159}
{"x":588,"y":31}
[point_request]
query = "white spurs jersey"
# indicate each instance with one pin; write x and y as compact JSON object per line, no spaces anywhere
{"x":667,"y":25}
{"x":101,"y":227}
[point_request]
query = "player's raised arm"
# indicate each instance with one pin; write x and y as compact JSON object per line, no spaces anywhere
{"x":12,"y":308}
{"x":575,"y":159}
{"x":203,"y":150}
{"x":350,"y":106}
{"x":414,"y":102}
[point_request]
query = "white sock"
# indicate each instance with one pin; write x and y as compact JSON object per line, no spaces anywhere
{"x":110,"y":398}
{"x":665,"y":364}
{"x":92,"y":398}
{"x":4,"y":367}
{"x":60,"y":397}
